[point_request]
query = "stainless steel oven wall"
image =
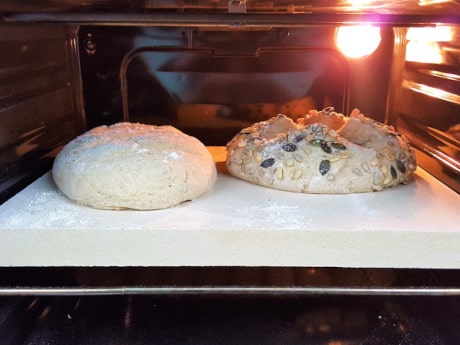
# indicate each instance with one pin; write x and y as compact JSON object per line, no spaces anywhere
{"x":424,"y":102}
{"x":40,"y":100}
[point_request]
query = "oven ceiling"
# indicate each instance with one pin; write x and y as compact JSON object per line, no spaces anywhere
{"x":230,"y":13}
{"x":304,"y":6}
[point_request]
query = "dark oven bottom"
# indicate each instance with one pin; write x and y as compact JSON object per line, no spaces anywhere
{"x":239,"y":305}
{"x":206,"y":319}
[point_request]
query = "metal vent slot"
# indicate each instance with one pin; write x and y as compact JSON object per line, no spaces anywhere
{"x":38,"y":101}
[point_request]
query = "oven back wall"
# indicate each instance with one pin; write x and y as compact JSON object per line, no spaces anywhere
{"x":40,"y":101}
{"x":212,"y":82}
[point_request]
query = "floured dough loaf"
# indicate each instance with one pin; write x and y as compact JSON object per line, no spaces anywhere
{"x":134,"y":166}
{"x":325,"y":152}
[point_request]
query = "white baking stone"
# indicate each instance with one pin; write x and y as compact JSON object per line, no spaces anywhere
{"x":239,"y":224}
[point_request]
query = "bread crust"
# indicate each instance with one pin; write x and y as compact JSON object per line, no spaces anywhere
{"x":134,"y":166}
{"x":324,"y":152}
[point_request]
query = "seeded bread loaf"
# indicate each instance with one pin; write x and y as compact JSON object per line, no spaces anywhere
{"x":324,"y":152}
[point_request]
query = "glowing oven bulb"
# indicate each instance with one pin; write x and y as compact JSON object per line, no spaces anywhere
{"x":358,"y":41}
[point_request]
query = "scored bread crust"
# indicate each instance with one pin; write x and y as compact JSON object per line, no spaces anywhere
{"x":324,"y":152}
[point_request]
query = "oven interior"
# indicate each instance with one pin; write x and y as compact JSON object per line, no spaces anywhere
{"x":212,"y":72}
{"x":211,"y":68}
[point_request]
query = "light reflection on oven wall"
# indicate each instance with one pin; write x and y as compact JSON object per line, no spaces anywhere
{"x":435,"y":51}
{"x":425,"y":44}
{"x":425,"y":98}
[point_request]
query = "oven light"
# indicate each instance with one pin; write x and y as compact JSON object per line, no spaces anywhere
{"x":358,"y":41}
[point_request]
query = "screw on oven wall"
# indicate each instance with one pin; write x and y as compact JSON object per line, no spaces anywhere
{"x":282,"y":34}
{"x":90,"y":45}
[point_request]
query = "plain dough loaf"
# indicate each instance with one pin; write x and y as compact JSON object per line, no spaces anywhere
{"x":134,"y":166}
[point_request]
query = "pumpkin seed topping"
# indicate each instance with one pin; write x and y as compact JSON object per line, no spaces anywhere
{"x":338,"y":146}
{"x":289,"y":147}
{"x":394,"y":174}
{"x":324,"y":166}
{"x":267,"y":163}
{"x":326,"y":148}
{"x":401,"y":166}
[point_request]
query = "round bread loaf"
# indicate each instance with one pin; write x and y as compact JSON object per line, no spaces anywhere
{"x":325,"y":152}
{"x":134,"y":166}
